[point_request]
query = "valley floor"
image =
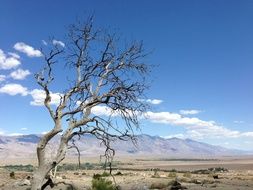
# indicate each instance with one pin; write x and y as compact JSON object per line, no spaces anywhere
{"x":144,"y":174}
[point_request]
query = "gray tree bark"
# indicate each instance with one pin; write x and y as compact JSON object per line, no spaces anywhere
{"x":114,"y":78}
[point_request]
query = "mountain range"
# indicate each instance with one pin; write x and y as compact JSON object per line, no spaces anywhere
{"x":25,"y":147}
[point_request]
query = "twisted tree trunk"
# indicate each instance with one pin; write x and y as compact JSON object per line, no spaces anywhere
{"x":45,"y":165}
{"x":39,"y":177}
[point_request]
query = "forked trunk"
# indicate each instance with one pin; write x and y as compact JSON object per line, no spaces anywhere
{"x":39,"y":177}
{"x":44,"y":168}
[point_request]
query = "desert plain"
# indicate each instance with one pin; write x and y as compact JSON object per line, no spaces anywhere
{"x":142,"y":173}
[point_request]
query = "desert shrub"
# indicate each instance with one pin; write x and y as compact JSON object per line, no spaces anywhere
{"x":102,"y":184}
{"x":204,"y":171}
{"x":104,"y":174}
{"x":211,"y":174}
{"x":12,"y":175}
{"x":187,"y":174}
{"x":70,"y":188}
{"x":218,"y":169}
{"x":158,"y":186}
{"x":184,"y":180}
{"x":26,"y":168}
{"x":210,"y":170}
{"x":195,"y":181}
{"x":119,"y":173}
{"x":172,"y":174}
{"x":96,"y":176}
{"x":173,"y":170}
{"x":74,"y":167}
{"x":156,"y":175}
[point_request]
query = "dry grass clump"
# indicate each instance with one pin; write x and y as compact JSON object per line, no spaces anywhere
{"x":187,"y":174}
{"x":172,"y":174}
{"x":158,"y":186}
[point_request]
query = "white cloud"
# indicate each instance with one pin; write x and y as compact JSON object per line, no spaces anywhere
{"x":14,"y":55}
{"x":196,"y":128}
{"x":57,"y":42}
{"x":39,"y":97}
{"x":14,"y":89}
{"x":8,"y":62}
{"x":180,"y":135}
{"x":189,"y":112}
{"x":103,"y":110}
{"x":247,"y":134}
{"x":2,"y":132}
{"x":23,"y":129}
{"x":28,"y":50}
{"x":15,"y":134}
{"x":238,"y":122}
{"x":152,"y":101}
{"x":20,"y":74}
{"x":2,"y":78}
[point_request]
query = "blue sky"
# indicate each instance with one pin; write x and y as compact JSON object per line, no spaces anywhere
{"x":203,"y":52}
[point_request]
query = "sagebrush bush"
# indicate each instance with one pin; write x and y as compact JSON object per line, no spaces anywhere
{"x":158,"y":186}
{"x":12,"y":175}
{"x":172,"y":174}
{"x":102,"y":184}
{"x":187,"y":174}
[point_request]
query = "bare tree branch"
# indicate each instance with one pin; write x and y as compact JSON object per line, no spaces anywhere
{"x":102,"y":73}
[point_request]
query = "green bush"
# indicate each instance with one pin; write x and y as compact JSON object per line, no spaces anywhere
{"x":26,"y":168}
{"x":172,"y":174}
{"x":102,"y":184}
{"x":104,"y":174}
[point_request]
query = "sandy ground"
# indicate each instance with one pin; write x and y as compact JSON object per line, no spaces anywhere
{"x":239,"y":176}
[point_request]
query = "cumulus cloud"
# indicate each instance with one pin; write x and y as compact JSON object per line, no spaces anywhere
{"x":196,"y":128}
{"x":238,"y":122}
{"x":15,"y":134}
{"x":2,"y":78}
{"x":103,"y":110}
{"x":57,"y":42}
{"x":152,"y":101}
{"x":23,"y":129}
{"x":2,"y":132}
{"x":8,"y":61}
{"x":180,"y":135}
{"x":20,"y":74}
{"x":39,"y":97}
{"x":28,"y":50}
{"x":14,"y":55}
{"x":189,"y":112}
{"x":14,"y":89}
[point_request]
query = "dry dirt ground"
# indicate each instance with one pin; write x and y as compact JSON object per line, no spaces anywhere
{"x":239,"y":176}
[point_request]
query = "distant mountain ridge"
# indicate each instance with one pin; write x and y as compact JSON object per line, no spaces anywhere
{"x":25,"y":146}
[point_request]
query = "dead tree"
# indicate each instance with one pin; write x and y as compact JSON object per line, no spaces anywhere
{"x":101,"y":72}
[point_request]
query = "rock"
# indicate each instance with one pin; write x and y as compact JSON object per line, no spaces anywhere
{"x":196,"y":181}
{"x":177,"y":186}
{"x":215,"y":176}
{"x":24,"y":182}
